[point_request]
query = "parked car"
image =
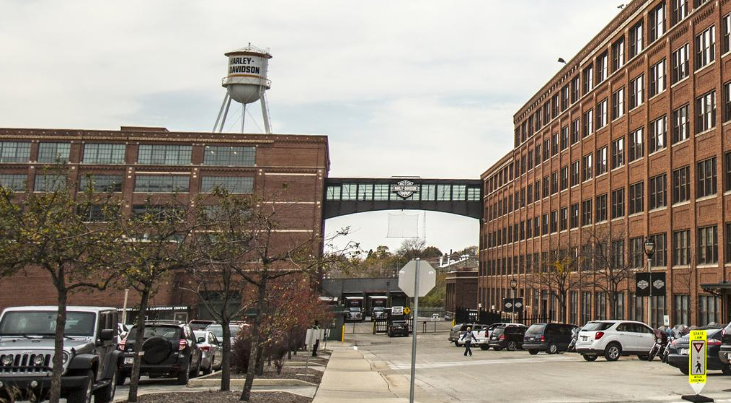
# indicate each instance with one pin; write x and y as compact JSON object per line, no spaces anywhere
{"x":483,"y":335}
{"x":509,"y":336}
{"x":200,"y":324}
{"x":678,"y":356}
{"x":398,"y":327}
{"x":455,"y":334}
{"x":378,"y":312}
{"x":170,"y":348}
{"x":211,"y":350}
{"x":615,"y":338}
{"x":90,"y":355}
{"x":724,"y":353}
{"x":234,"y":329}
{"x":354,"y":314}
{"x":549,"y":337}
{"x":448,"y":316}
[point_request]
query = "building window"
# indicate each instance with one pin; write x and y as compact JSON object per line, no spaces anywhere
{"x":618,"y":153}
{"x":13,"y":151}
{"x":554,"y":144}
{"x":708,"y":309}
{"x":727,"y":101}
{"x":601,"y":208}
{"x":657,"y":192}
{"x":586,"y":212}
{"x":636,"y":309}
{"x":681,"y":248}
{"x":162,"y":183}
{"x":588,"y":79}
{"x":682,"y":309}
{"x":49,"y":183}
{"x":565,"y":178}
{"x":618,"y":54}
{"x":681,"y":65}
{"x":635,"y":40}
{"x":601,"y":113}
{"x":705,"y":117}
{"x":554,"y":106}
{"x":705,"y":45}
{"x":726,"y":246}
{"x":554,"y":182}
{"x":444,"y":192}
{"x":54,"y":153}
{"x":96,"y":153}
{"x":658,"y":258}
{"x":245,"y":185}
{"x":546,"y":188}
{"x":636,"y":148}
{"x":564,"y":97}
{"x":101,"y":183}
{"x":681,"y":185}
{"x":617,"y":254}
{"x":575,"y":215}
{"x":96,"y":213}
{"x":537,"y":189}
{"x":564,"y":138}
{"x":657,"y":22}
{"x":726,"y":33}
{"x":602,"y":68}
{"x":657,"y":78}
{"x":618,"y":203}
{"x":588,"y":123}
{"x":162,"y":154}
{"x":727,"y":172}
{"x":554,"y":221}
{"x":681,"y":129}
{"x":574,"y":173}
{"x":658,"y":131}
{"x":575,"y":131}
{"x":575,"y":88}
{"x":601,"y":161}
{"x":636,"y":252}
{"x":636,"y":194}
{"x":544,"y":225}
{"x":229,"y":156}
{"x":587,"y":167}
{"x":706,"y":184}
{"x":14,"y":182}
{"x":585,"y":307}
{"x":680,"y":11}
{"x":546,"y":149}
{"x":636,"y":87}
{"x":618,"y":104}
{"x":600,"y":305}
{"x":564,"y":218}
{"x":707,"y":245}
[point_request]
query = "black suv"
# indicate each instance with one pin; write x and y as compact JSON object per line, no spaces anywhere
{"x":724,"y":353}
{"x":398,"y":326}
{"x":507,"y":336}
{"x":169,"y":349}
{"x":90,"y":356}
{"x":549,"y":337}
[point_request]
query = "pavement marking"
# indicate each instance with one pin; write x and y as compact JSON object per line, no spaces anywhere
{"x":470,"y":362}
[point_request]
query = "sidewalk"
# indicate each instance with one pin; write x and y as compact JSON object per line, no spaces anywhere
{"x":351,"y":377}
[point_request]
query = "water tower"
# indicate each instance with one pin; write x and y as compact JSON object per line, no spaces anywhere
{"x":246,"y":83}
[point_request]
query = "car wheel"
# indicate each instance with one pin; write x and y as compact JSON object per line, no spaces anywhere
{"x":684,"y":370}
{"x":197,"y":371}
{"x":120,"y":379}
{"x":533,"y":352}
{"x":456,"y":344}
{"x":511,"y":346}
{"x":183,"y":376}
{"x":726,"y":369}
{"x":612,"y":352}
{"x":484,"y":348}
{"x":589,"y":357}
{"x":497,"y":348}
{"x":644,"y":357}
{"x":552,"y":348}
{"x":209,"y":369}
{"x":106,"y":394}
{"x":82,"y":394}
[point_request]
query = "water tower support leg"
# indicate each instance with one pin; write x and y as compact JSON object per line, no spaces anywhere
{"x":265,"y":111}
{"x":243,"y":117}
{"x":225,"y":114}
{"x":223,"y":105}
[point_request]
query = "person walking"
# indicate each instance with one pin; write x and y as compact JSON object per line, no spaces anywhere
{"x":468,"y":336}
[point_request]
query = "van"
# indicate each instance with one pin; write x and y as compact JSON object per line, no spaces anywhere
{"x":549,"y":337}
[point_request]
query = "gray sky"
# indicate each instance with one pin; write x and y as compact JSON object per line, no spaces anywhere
{"x":425,"y":88}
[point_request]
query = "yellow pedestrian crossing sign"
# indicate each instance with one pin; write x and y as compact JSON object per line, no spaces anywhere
{"x":698,"y":360}
{"x":407,"y":310}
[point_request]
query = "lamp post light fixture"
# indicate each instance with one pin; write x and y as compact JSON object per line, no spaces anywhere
{"x":513,"y":286}
{"x":649,"y":246}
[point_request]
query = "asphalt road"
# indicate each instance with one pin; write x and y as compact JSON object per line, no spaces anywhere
{"x":491,"y":376}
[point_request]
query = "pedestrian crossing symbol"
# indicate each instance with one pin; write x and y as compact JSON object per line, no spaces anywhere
{"x":698,"y":360}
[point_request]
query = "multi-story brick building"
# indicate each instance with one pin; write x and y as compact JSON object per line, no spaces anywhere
{"x":137,"y":163}
{"x":632,"y":138}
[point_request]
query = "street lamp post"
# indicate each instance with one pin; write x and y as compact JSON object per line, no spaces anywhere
{"x":513,"y":286}
{"x":649,"y":251}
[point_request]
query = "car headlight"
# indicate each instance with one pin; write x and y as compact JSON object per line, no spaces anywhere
{"x":8,"y":359}
{"x":65,"y":358}
{"x":39,"y":360}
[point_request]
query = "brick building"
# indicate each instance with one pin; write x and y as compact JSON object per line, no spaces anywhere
{"x":461,"y":289}
{"x":630,"y":138}
{"x":138,"y":162}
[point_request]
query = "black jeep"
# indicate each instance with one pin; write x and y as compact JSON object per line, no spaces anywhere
{"x":169,"y":349}
{"x":90,"y":357}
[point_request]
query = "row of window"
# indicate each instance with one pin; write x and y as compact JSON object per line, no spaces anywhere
{"x":108,"y":154}
{"x":382,"y":192}
{"x":143,"y":183}
{"x":597,"y":71}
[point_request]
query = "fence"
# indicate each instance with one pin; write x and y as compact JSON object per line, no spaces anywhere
{"x":467,"y":315}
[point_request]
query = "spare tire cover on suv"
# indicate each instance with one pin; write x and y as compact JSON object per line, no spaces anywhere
{"x":157,"y":349}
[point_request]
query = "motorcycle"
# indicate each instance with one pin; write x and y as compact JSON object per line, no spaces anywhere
{"x":574,"y":338}
{"x":660,"y":347}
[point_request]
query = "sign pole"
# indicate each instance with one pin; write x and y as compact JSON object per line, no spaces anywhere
{"x":413,"y":340}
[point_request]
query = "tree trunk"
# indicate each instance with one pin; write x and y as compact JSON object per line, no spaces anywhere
{"x":55,"y":392}
{"x":134,"y":378}
{"x":259,"y":360}
{"x":226,"y":359}
{"x":261,"y":295}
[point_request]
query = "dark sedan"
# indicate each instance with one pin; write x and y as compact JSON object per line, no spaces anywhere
{"x":679,"y":349}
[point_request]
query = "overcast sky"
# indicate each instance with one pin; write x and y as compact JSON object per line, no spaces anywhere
{"x":423,"y":88}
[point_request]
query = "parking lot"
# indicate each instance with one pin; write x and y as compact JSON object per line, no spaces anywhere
{"x":491,"y":376}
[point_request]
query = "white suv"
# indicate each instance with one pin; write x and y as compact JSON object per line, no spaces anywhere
{"x":613,"y":338}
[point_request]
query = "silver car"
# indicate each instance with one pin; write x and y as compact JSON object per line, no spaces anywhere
{"x":211,"y":350}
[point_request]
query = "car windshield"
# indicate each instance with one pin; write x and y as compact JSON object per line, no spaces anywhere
{"x":536,"y":329}
{"x":218,"y":330}
{"x":43,"y":323}
{"x":354,"y":309}
{"x":498,"y":330}
{"x":168,"y":332}
{"x":378,"y":308}
{"x":597,"y":326}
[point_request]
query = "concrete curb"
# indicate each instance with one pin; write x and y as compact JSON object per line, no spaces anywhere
{"x":210,"y":381}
